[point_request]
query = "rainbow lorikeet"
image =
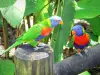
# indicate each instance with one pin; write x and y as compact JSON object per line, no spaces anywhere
{"x":37,"y":32}
{"x":81,"y":39}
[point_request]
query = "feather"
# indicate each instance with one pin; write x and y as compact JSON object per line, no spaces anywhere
{"x":81,"y":40}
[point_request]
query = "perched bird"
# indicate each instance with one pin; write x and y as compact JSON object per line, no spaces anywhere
{"x":81,"y":39}
{"x":37,"y":32}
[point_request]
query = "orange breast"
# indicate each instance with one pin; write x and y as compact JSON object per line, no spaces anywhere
{"x":81,"y":40}
{"x":46,"y":31}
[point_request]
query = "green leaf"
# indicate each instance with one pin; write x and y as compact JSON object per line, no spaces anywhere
{"x":6,"y":3}
{"x":43,"y":14}
{"x":0,"y":20}
{"x":70,"y":44}
{"x":68,"y":16}
{"x":34,"y":6}
{"x":93,"y":43}
{"x":95,"y":25}
{"x":56,"y":44}
{"x":7,"y":67}
{"x":62,"y":34}
{"x":93,"y":37}
{"x":87,"y":9}
{"x":85,"y":73}
{"x":55,"y":38}
{"x":99,"y":39}
{"x":51,"y":8}
{"x":14,"y":14}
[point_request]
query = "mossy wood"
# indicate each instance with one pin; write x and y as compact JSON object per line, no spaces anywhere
{"x":34,"y":61}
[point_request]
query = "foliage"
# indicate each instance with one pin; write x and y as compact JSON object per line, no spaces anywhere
{"x":7,"y":67}
{"x":93,"y":39}
{"x":0,"y":20}
{"x":51,"y":8}
{"x":6,"y":3}
{"x":43,"y":14}
{"x":85,"y":73}
{"x":34,"y":6}
{"x":61,"y":34}
{"x":14,"y":14}
{"x":95,"y":25}
{"x":70,"y":44}
{"x":87,"y":9}
{"x":18,"y":10}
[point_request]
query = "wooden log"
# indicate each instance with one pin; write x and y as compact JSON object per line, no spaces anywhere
{"x":76,"y":64}
{"x":34,"y":61}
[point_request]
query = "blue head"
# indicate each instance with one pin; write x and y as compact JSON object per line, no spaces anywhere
{"x":55,"y":20}
{"x":78,"y":30}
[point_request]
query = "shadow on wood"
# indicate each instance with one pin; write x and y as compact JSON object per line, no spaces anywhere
{"x":34,"y":61}
{"x":76,"y":64}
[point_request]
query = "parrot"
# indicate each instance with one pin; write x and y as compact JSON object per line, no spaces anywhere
{"x":81,"y":38}
{"x":37,"y":32}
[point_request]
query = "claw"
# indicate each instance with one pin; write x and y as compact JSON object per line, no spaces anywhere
{"x":36,"y":48}
{"x":79,"y":53}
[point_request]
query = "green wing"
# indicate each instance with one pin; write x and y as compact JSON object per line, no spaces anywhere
{"x":35,"y":31}
{"x":32,"y":33}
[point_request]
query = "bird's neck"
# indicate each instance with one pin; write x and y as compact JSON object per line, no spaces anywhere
{"x":79,"y":34}
{"x":46,"y":23}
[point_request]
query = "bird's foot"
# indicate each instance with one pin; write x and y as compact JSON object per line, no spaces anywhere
{"x":41,"y":44}
{"x":79,"y":53}
{"x":36,"y":48}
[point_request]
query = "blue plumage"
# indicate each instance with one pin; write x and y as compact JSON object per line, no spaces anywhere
{"x":56,"y":21}
{"x":78,"y":29}
{"x":39,"y":38}
{"x":81,"y":46}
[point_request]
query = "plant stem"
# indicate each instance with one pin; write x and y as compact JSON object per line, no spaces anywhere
{"x":28,"y":21}
{"x":58,"y":5}
{"x":5,"y":35}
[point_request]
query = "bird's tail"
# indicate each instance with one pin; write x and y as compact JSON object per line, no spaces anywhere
{"x":12,"y":46}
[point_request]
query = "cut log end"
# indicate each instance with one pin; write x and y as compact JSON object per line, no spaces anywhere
{"x":34,"y":61}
